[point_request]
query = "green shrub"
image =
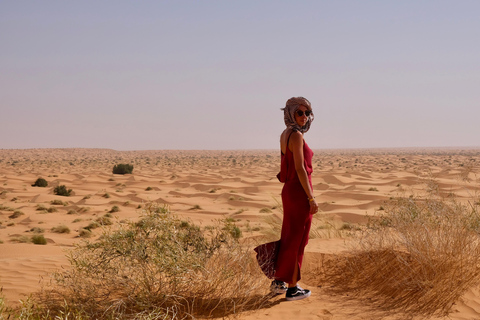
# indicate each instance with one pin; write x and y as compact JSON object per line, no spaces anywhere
{"x":114,"y":209}
{"x":122,"y":168}
{"x":40,"y":183}
{"x":39,"y":239}
{"x":62,"y":191}
{"x":159,"y":265}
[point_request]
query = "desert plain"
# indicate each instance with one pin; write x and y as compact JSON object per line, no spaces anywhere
{"x":350,"y":186}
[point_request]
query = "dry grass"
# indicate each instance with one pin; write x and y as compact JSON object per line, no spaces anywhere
{"x":419,"y":256}
{"x":160,"y":267}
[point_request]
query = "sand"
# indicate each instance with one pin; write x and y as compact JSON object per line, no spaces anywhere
{"x":349,"y":185}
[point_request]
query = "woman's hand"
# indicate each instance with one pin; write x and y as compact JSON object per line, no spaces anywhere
{"x":313,"y":206}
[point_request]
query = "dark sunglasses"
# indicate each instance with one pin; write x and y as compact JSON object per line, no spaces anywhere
{"x":300,"y":113}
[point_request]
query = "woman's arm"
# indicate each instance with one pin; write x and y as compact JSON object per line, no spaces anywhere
{"x":296,"y":142}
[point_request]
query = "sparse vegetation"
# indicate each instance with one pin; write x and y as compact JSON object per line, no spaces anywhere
{"x":159,"y":265}
{"x":40,"y":182}
{"x":16,"y":214}
{"x":418,"y":255}
{"x":57,"y":202}
{"x":114,"y":209}
{"x":62,"y":190}
{"x":122,"y":168}
{"x":39,"y":239}
{"x":61,"y":229}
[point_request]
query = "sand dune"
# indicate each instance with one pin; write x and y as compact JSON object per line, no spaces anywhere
{"x":206,"y":185}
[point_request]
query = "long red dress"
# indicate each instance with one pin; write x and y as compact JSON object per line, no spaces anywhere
{"x":277,"y":259}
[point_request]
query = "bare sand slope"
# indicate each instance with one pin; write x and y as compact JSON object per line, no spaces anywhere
{"x":350,"y":185}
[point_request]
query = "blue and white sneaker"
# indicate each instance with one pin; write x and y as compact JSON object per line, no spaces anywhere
{"x":278,"y":287}
{"x":297,"y":293}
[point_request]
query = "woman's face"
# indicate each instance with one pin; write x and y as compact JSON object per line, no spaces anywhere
{"x":301,"y":120}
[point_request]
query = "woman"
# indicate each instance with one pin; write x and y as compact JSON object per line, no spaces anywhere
{"x":298,"y":201}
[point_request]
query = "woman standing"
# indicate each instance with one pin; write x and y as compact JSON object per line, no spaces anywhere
{"x":298,"y":201}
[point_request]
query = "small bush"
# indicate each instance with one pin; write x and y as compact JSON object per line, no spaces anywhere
{"x":114,"y":209}
{"x":57,"y":202}
{"x":104,"y":221}
{"x":92,"y":225}
{"x":85,"y":233}
{"x":40,"y":182}
{"x":39,"y":239}
{"x":61,"y":229}
{"x":37,"y":230}
{"x":62,"y":191}
{"x":159,"y":265}
{"x":265,"y":210}
{"x":148,"y":189}
{"x":122,"y":168}
{"x":16,"y":214}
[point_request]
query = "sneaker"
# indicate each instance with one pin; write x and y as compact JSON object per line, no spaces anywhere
{"x":297,"y":293}
{"x":278,"y":287}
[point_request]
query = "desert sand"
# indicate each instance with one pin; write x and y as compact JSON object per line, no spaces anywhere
{"x":350,"y":185}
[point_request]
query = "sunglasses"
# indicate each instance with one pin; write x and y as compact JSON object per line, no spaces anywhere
{"x":307,"y":113}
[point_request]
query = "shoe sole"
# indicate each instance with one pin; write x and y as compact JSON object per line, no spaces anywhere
{"x":303,"y":296}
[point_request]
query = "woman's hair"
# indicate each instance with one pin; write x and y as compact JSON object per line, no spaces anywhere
{"x":289,"y":113}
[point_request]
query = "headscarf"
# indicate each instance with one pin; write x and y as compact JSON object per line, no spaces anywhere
{"x":289,"y":113}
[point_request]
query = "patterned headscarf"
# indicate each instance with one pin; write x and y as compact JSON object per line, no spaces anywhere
{"x":289,"y":113}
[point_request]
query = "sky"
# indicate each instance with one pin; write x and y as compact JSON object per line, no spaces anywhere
{"x":154,"y":75}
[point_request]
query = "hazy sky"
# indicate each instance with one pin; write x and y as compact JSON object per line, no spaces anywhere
{"x":134,"y":75}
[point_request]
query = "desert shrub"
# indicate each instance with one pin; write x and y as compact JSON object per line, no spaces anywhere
{"x":85,"y":233}
{"x":72,"y":211}
{"x":159,"y":265}
{"x":419,"y":255}
{"x":40,"y":182}
{"x":61,"y":190}
{"x":114,"y":209}
{"x":37,"y":230}
{"x":148,"y":189}
{"x":41,"y":207}
{"x":104,"y":221}
{"x":265,"y":210}
{"x":39,"y":239}
{"x":61,"y":229}
{"x":92,"y":225}
{"x":122,"y":168}
{"x":58,"y":202}
{"x":16,"y":214}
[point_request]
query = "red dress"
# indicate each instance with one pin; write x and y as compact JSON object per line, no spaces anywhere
{"x":277,"y":259}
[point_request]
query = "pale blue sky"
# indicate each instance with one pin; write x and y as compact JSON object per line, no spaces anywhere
{"x":134,"y":75}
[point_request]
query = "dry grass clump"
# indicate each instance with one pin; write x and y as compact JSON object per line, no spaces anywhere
{"x":157,"y":268}
{"x":420,"y":255}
